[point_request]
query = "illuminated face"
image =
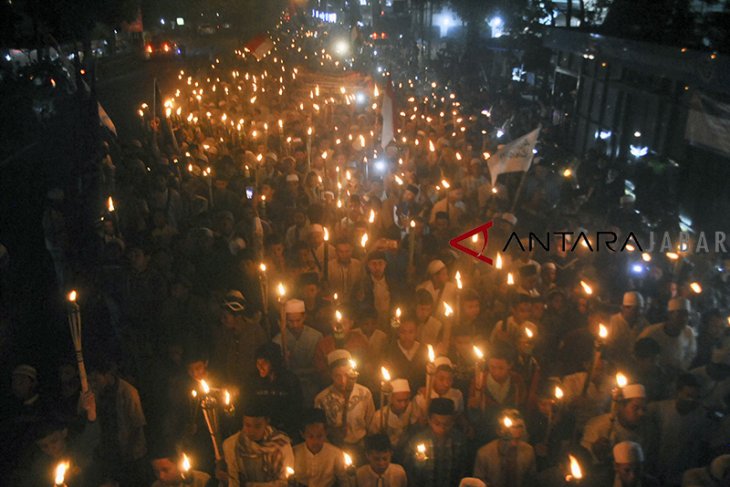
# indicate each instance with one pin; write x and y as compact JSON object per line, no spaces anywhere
{"x":315,"y":436}
{"x":254,"y":427}
{"x":628,"y":473}
{"x":441,"y":425}
{"x":399,"y":401}
{"x":341,"y":378}
{"x":442,"y":381}
{"x":633,"y":411}
{"x":263,"y":366}
{"x":379,"y":461}
{"x":376,"y":268}
{"x":198,"y":370}
{"x":471,"y":309}
{"x":166,"y":471}
{"x":344,"y":252}
{"x":54,"y":445}
{"x":499,"y":369}
{"x":407,"y":334}
{"x":295,"y":322}
{"x":423,"y":311}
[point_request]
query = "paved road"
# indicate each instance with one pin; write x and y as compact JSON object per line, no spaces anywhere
{"x":124,"y":83}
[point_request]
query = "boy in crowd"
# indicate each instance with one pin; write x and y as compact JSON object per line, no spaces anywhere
{"x":317,"y":463}
{"x":380,"y":472}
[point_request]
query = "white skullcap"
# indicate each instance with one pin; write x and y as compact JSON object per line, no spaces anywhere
{"x":627,"y":198}
{"x":435,"y":266}
{"x":292,"y":178}
{"x":439,"y":361}
{"x":721,"y":356}
{"x":471,"y":482}
{"x":720,"y":466}
{"x":632,"y":298}
{"x":316,"y":228}
{"x":339,"y":354}
{"x":509,"y":218}
{"x":294,"y":306}
{"x":628,"y":452}
{"x":400,"y":385}
{"x":634,"y":391}
{"x":27,"y":371}
{"x":678,"y":304}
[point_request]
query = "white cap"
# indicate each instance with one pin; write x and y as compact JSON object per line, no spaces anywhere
{"x":435,"y":266}
{"x":634,"y":391}
{"x":400,"y":385}
{"x":633,"y":298}
{"x":292,"y":178}
{"x":439,"y":361}
{"x":294,"y":306}
{"x":720,"y":466}
{"x":339,"y":354}
{"x":26,"y":370}
{"x":316,"y":228}
{"x":721,"y":356}
{"x":628,"y":452}
{"x":471,"y":482}
{"x":678,"y":304}
{"x":509,"y":218}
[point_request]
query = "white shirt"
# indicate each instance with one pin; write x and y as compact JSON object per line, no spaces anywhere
{"x":712,"y":392}
{"x":381,"y":296}
{"x":320,"y":470}
{"x":360,"y":411}
{"x":409,"y":354}
{"x":600,"y":427}
{"x":497,"y":390}
{"x":301,"y":350}
{"x":342,"y":278}
{"x":448,"y":294}
{"x":430,"y":331}
{"x":394,"y":476}
{"x":489,"y":463}
{"x":395,"y":425}
{"x":677,"y":352}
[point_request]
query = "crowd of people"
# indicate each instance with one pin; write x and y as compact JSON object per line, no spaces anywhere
{"x":273,"y":300}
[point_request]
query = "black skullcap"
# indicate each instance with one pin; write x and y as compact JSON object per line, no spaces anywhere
{"x":376,"y":255}
{"x":313,"y":416}
{"x":528,"y":270}
{"x":163,"y":449}
{"x":378,"y":442}
{"x":441,"y":406}
{"x":308,"y":278}
{"x":255,"y":408}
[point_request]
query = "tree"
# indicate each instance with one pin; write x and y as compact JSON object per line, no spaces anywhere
{"x":473,"y":13}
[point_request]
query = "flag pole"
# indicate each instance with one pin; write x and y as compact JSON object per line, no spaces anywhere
{"x":518,"y":192}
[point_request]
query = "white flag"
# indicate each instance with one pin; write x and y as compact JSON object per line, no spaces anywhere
{"x":388,"y":113}
{"x":708,"y":123}
{"x":513,"y":157}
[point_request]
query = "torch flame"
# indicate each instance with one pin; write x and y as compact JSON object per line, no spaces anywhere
{"x":413,"y":223}
{"x":371,"y":218}
{"x":61,"y":470}
{"x":205,"y":386}
{"x":421,"y":448}
{"x":72,"y":296}
{"x":194,"y":393}
{"x":458,"y":279}
{"x":326,"y":234}
{"x":281,"y":290}
{"x":376,"y":92}
{"x":672,"y":256}
{"x":262,"y":267}
{"x":338,"y":315}
{"x":431,"y":353}
{"x":529,"y":333}
{"x":364,"y":240}
{"x":110,"y":204}
{"x":445,"y":184}
{"x":510,"y":279}
{"x":226,"y":398}
{"x":185,"y":463}
{"x":696,"y":287}
{"x":586,"y":288}
{"x":397,"y":312}
{"x":431,"y":147}
{"x":448,"y":310}
{"x":507,"y":421}
{"x":558,"y":393}
{"x":575,"y":469}
{"x":385,"y":374}
{"x":646,"y":257}
{"x":498,"y":262}
{"x":602,"y":331}
{"x":353,"y":364}
{"x":289,"y":472}
{"x":478,"y":352}
{"x":621,"y":380}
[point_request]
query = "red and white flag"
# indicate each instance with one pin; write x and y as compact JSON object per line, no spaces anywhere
{"x":259,"y":46}
{"x":388,"y":113}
